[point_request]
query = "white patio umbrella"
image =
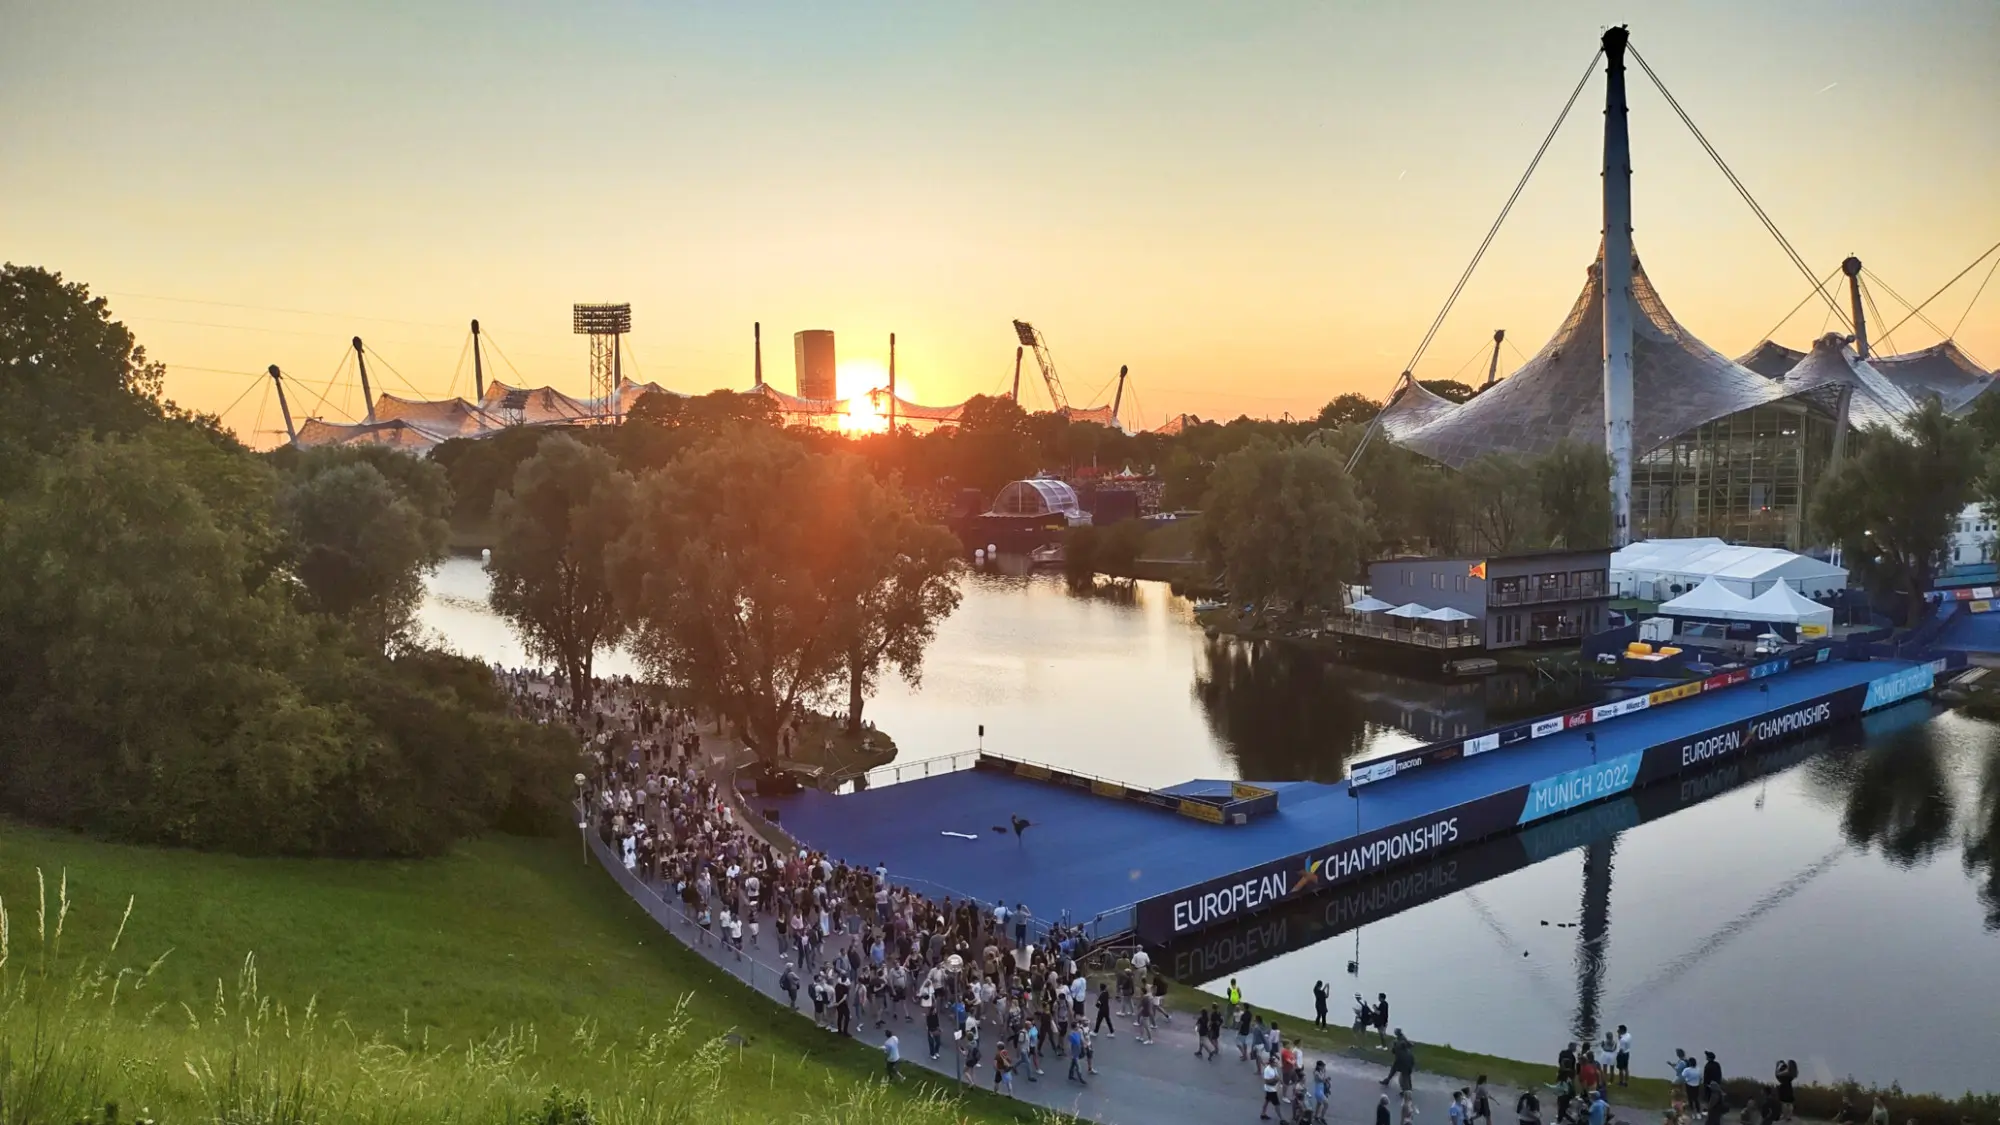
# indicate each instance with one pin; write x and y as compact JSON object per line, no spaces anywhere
{"x":1411,"y":610}
{"x":1447,"y":614}
{"x":1366,"y":604}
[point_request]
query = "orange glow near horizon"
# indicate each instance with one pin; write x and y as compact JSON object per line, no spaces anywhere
{"x":1256,"y":207}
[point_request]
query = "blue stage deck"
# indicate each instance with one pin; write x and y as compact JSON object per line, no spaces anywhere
{"x":1086,"y":854}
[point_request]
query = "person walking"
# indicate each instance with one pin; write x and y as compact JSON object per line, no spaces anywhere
{"x":789,"y":982}
{"x":1242,"y":1028}
{"x":1527,"y":1108}
{"x":1003,"y":1068}
{"x":1482,"y":1104}
{"x":892,"y":1051}
{"x":1382,"y":1019}
{"x":1270,"y":1076}
{"x":1320,"y":995}
{"x":1076,"y":1056}
{"x":1103,"y":1020}
{"x":1382,"y":1116}
{"x":1403,"y":1060}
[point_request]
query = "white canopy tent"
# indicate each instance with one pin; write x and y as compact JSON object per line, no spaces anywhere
{"x":1711,"y":599}
{"x":1650,"y":569}
{"x":1788,"y":606}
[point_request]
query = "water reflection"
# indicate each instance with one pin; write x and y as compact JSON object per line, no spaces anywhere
{"x":1897,"y":797}
{"x":1289,"y":714}
{"x":1277,"y":711}
{"x":1982,"y":836}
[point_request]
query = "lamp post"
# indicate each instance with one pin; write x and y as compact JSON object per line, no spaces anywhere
{"x":582,"y":820}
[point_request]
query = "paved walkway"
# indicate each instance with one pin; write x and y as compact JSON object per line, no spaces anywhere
{"x":1136,"y":1084}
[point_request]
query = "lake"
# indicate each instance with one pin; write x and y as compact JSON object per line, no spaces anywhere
{"x":1835,"y":901}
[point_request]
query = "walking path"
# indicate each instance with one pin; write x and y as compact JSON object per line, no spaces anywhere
{"x":1136,"y":1084}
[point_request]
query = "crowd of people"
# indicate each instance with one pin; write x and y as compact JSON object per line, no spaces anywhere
{"x":1008,"y":997}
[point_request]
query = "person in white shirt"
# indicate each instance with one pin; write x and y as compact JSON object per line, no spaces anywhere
{"x":1624,"y":1059}
{"x":1270,"y":1077}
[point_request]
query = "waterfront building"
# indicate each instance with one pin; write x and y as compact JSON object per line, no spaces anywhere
{"x":1494,"y":602}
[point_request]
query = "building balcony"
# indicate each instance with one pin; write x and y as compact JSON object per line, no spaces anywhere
{"x":1421,"y":638}
{"x":1536,"y":595}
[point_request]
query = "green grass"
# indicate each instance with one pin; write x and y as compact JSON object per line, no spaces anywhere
{"x":1438,"y":1058}
{"x":457,"y":988}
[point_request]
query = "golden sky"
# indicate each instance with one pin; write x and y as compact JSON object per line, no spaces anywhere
{"x":1256,"y":207}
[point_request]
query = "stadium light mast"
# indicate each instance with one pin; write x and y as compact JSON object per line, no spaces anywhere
{"x":1617,"y":286}
{"x":478,"y":371}
{"x":278,"y":381}
{"x":892,"y":382}
{"x":368,"y":396}
{"x":604,"y":324}
{"x":1493,"y":365}
{"x":1852,"y":268}
{"x":757,"y":351}
{"x":1017,"y":374}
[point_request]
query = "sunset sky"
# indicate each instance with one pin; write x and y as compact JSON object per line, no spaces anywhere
{"x":1256,"y":207}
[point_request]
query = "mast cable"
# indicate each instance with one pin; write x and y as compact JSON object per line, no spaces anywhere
{"x":1736,"y":183}
{"x":1520,"y":185}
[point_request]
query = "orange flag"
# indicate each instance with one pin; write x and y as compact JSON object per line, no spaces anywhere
{"x":1476,"y":570}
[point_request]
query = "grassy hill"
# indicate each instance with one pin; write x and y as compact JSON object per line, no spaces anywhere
{"x":461,"y":988}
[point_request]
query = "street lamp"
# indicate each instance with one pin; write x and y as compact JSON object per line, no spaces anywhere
{"x":582,"y":820}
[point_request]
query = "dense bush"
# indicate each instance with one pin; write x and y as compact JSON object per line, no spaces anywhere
{"x":196,"y":649}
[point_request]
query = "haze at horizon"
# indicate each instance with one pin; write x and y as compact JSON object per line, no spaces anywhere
{"x":1255,"y":209}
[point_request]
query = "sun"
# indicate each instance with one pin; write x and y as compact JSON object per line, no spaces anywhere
{"x":862,"y":385}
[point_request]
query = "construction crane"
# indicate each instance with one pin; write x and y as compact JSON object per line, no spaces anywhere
{"x":1033,"y":339}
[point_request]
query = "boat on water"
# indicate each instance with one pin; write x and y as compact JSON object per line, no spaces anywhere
{"x":1207,"y":604}
{"x":1048,"y":554}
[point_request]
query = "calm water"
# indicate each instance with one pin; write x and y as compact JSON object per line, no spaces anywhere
{"x":1836,"y":901}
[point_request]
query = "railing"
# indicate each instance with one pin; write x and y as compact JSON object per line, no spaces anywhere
{"x":1420,"y":637}
{"x":910,"y":771}
{"x":1537,"y":595}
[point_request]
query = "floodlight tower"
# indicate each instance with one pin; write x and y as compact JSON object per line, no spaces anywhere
{"x":604,"y":324}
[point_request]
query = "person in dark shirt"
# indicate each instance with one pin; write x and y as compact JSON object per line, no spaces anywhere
{"x":1103,"y":1021}
{"x":1382,"y":1018}
{"x":1382,"y":1111}
{"x":1320,"y":995}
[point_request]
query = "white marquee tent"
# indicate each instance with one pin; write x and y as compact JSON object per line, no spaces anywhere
{"x":1779,"y":605}
{"x":1710,"y":599}
{"x":1650,"y":569}
{"x":1790,"y":607}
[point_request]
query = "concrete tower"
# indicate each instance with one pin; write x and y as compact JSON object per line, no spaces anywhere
{"x":812,"y":356}
{"x":1617,"y":288}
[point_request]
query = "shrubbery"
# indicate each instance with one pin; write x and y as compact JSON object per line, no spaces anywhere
{"x":198,"y":649}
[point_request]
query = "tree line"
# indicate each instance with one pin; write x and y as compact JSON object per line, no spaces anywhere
{"x":756,"y":574}
{"x":209,"y":647}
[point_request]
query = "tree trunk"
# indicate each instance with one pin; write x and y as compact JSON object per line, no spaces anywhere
{"x":854,"y":699}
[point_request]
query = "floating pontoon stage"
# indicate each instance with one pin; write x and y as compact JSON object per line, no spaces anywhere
{"x":1127,"y":865}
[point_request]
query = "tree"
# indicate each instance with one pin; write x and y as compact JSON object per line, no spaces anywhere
{"x":1450,"y":390}
{"x":1892,"y":503}
{"x":1285,"y":522}
{"x":1503,"y":504}
{"x":66,"y":368}
{"x":909,"y":585}
{"x":1573,"y":488}
{"x":750,"y":574}
{"x":1347,"y":410}
{"x":553,"y":533}
{"x":362,"y":538}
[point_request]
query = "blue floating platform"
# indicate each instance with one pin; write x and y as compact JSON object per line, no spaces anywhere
{"x":1131,"y":867}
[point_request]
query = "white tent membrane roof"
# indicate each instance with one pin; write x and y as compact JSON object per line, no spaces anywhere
{"x":1831,"y":367}
{"x":1714,"y":558}
{"x":1410,"y":609}
{"x":1678,"y":384}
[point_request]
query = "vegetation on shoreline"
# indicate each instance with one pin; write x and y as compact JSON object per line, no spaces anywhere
{"x":483,"y":986}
